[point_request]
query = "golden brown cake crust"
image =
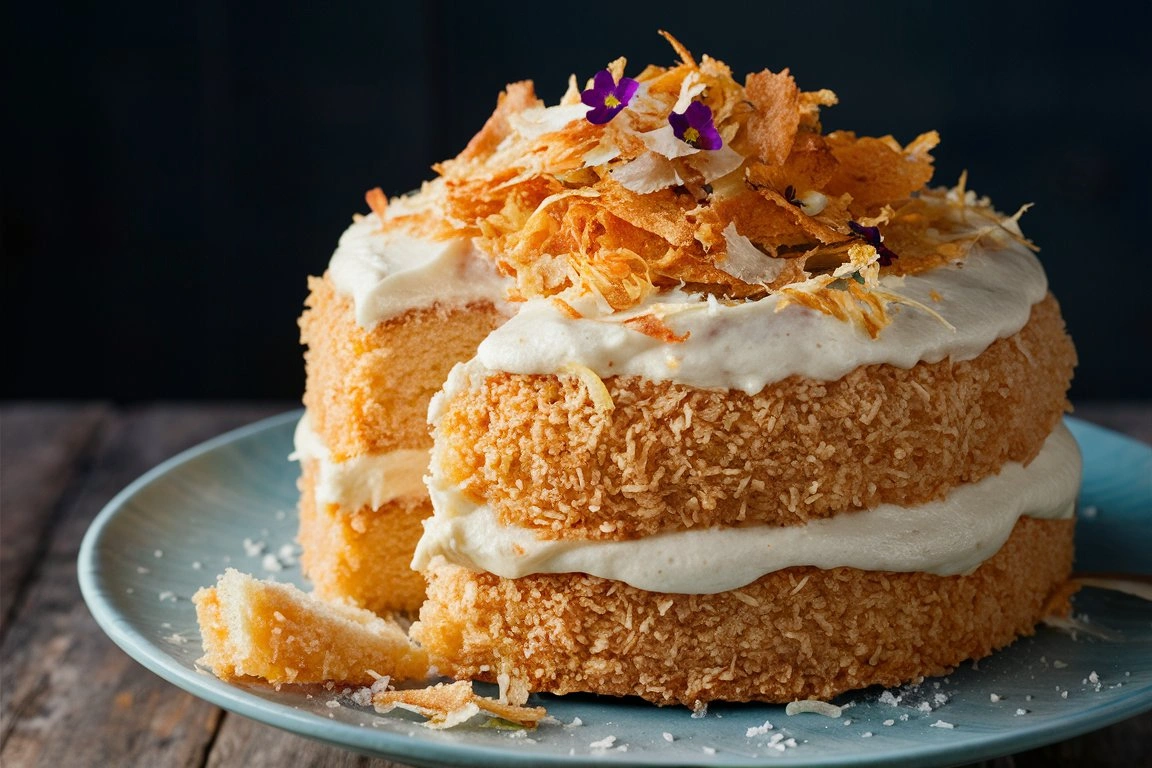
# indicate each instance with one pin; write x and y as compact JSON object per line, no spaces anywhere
{"x":368,"y":390}
{"x":670,"y":456}
{"x":362,"y":555}
{"x":793,"y":634}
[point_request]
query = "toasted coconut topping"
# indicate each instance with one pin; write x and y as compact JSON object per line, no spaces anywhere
{"x":621,"y":204}
{"x":449,"y":705}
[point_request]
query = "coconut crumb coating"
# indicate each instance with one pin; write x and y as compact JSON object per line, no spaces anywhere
{"x":673,"y":457}
{"x":362,"y":555}
{"x":794,"y":634}
{"x":275,"y":632}
{"x":367,"y":391}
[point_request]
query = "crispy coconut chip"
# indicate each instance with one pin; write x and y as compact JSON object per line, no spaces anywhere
{"x":377,"y":201}
{"x":449,"y":705}
{"x":772,"y":126}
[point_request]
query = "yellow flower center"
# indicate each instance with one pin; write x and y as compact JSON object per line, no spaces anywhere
{"x":692,"y":136}
{"x":611,"y":101}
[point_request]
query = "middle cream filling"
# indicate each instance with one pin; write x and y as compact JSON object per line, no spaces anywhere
{"x":370,"y":480}
{"x":946,"y":537}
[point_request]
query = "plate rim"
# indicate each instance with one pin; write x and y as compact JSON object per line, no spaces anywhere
{"x":394,"y":745}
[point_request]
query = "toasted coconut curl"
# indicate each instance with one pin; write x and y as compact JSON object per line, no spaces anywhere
{"x":626,"y":209}
{"x":450,"y":704}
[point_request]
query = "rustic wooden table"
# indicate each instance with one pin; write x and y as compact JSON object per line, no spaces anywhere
{"x":72,"y":698}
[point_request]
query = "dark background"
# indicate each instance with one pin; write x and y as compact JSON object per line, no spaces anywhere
{"x":172,"y":172}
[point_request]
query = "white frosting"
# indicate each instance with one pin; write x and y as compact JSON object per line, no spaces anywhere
{"x":390,"y":272}
{"x":947,"y":537}
{"x":747,"y":345}
{"x":370,"y":480}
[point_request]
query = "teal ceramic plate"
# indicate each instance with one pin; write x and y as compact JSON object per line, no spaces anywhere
{"x":174,"y":529}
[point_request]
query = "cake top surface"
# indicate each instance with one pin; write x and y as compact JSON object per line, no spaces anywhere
{"x":682,"y":178}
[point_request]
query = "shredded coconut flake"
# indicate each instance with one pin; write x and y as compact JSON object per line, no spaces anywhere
{"x":813,"y":706}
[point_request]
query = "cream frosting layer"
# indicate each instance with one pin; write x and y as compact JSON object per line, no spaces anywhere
{"x":388,"y":272}
{"x":370,"y":480}
{"x":748,"y":345}
{"x":947,"y":537}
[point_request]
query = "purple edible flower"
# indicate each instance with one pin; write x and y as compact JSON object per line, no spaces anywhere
{"x":871,"y":236}
{"x":694,"y":127}
{"x":607,"y":97}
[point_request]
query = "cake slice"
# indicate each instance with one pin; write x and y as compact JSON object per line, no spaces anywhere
{"x":275,"y":632}
{"x":404,"y":299}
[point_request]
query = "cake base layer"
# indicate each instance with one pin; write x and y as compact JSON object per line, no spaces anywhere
{"x":362,"y":555}
{"x":794,"y":634}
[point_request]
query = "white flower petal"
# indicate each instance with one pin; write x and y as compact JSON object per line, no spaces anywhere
{"x":663,"y":141}
{"x":604,"y":152}
{"x":747,"y":262}
{"x":537,"y":121}
{"x":648,"y":173}
{"x":716,"y":163}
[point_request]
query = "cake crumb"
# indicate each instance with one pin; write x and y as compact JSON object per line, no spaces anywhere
{"x":889,"y":722}
{"x":1058,"y":664}
{"x":1021,"y":711}
{"x":604,"y":743}
{"x":709,"y":750}
{"x":758,"y":730}
{"x":942,"y":724}
{"x":866,"y":735}
{"x":993,"y":698}
{"x":668,"y":737}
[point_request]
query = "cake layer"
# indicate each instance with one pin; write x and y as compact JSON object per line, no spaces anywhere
{"x":947,"y":537}
{"x":362,"y":553}
{"x":793,"y":634}
{"x":368,"y":389}
{"x":545,"y":452}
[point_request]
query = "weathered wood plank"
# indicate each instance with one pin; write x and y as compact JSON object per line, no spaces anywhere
{"x":70,"y":696}
{"x":244,"y":742}
{"x":42,"y":447}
